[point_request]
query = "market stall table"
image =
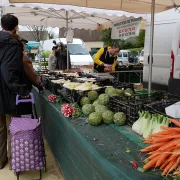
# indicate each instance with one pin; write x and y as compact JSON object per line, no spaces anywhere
{"x":130,"y":76}
{"x":81,"y":156}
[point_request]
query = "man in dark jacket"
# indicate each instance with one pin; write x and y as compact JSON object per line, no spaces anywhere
{"x":11,"y":77}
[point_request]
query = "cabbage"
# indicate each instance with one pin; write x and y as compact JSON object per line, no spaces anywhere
{"x":120,"y":92}
{"x":119,"y":118}
{"x":95,"y":103}
{"x":111,"y":91}
{"x":87,"y":109}
{"x":107,"y":117}
{"x":85,"y":100}
{"x":92,"y":95}
{"x":103,"y":99}
{"x":128,"y":92}
{"x":95,"y":118}
{"x":107,"y":89}
{"x":100,"y":109}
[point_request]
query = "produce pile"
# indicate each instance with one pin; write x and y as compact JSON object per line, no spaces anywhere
{"x":71,"y":110}
{"x":164,"y":150}
{"x":95,"y":107}
{"x":149,"y":123}
{"x":86,"y":86}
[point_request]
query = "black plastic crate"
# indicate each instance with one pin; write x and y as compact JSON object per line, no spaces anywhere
{"x":155,"y":103}
{"x":130,"y":106}
{"x":159,"y":106}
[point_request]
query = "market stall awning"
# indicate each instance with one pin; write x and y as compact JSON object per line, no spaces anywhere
{"x":137,"y":6}
{"x":57,"y":16}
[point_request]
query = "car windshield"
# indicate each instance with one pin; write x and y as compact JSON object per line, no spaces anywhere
{"x":77,"y":49}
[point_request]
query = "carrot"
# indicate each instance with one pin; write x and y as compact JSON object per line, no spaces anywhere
{"x":173,"y":167}
{"x":165,"y":163}
{"x":169,"y":145}
{"x":168,"y":167}
{"x":151,"y":163}
{"x":176,"y":122}
{"x":169,"y":137}
{"x":173,"y":158}
{"x":178,"y":160}
{"x":162,"y":139}
{"x":152,"y":147}
{"x":169,"y":129}
{"x":161,"y":159}
{"x":154,"y":155}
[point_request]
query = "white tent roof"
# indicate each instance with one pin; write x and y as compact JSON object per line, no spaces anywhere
{"x":55,"y":15}
{"x":137,"y":6}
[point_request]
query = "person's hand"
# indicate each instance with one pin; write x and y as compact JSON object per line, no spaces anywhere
{"x":107,"y":68}
{"x":40,"y":88}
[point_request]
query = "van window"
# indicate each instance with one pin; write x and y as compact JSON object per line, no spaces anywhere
{"x":120,"y":55}
{"x":77,"y":49}
{"x":125,"y":54}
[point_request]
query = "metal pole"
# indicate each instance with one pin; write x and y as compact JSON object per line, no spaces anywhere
{"x":67,"y":42}
{"x":151,"y":45}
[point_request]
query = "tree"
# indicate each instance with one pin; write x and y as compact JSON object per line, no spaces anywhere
{"x":106,"y":38}
{"x":140,"y":39}
{"x":39,"y":33}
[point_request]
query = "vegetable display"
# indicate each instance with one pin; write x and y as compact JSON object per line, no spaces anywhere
{"x":164,"y":150}
{"x":119,"y":118}
{"x":148,"y":124}
{"x":71,"y":110}
{"x":85,"y":100}
{"x":95,"y":119}
{"x":108,"y":117}
{"x":87,"y":109}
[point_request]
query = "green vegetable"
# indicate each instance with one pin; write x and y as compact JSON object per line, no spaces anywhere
{"x":119,"y":118}
{"x":112,"y":91}
{"x":128,"y":92}
{"x":137,"y":126}
{"x":103,"y":99}
{"x":107,"y":117}
{"x":100,"y":109}
{"x":92,"y":95}
{"x":87,"y":109}
{"x":95,"y":103}
{"x":95,"y":118}
{"x":120,"y":92}
{"x":85,"y":100}
{"x":107,"y":89}
{"x":148,"y":124}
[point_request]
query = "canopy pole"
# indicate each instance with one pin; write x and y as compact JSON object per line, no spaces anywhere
{"x":151,"y":45}
{"x":67,"y":42}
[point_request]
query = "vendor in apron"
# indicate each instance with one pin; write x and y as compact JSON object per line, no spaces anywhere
{"x":106,"y":58}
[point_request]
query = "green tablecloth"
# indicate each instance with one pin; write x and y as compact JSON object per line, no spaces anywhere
{"x":82,"y":158}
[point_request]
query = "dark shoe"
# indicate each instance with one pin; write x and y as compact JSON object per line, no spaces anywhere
{"x":2,"y":165}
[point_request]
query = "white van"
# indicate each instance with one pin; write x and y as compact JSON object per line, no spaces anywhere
{"x":166,"y":53}
{"x":123,"y":57}
{"x":79,"y":54}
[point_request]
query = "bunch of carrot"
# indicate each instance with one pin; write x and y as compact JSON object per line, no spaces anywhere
{"x":164,"y":150}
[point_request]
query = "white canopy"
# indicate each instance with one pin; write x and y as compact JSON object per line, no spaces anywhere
{"x":137,"y":6}
{"x":56,"y":15}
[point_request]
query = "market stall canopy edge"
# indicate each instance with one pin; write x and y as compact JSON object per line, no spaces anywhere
{"x":55,"y":15}
{"x":136,"y":6}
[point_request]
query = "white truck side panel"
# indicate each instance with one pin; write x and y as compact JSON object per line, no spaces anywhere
{"x":165,"y":24}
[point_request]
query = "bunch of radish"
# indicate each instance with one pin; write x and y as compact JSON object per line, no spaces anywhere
{"x":52,"y":98}
{"x":67,"y":110}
